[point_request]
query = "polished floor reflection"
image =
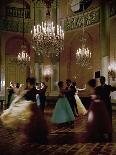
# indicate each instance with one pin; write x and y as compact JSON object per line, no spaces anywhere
{"x":61,"y":141}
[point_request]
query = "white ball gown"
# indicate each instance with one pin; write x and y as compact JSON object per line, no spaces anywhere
{"x":81,"y":109}
{"x":17,"y":114}
{"x":27,"y":117}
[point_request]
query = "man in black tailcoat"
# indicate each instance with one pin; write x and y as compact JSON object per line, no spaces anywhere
{"x":70,"y":92}
{"x":105,"y":91}
{"x":31,"y":89}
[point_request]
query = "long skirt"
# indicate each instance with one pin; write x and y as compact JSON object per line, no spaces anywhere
{"x":62,"y":112}
{"x":80,"y":106}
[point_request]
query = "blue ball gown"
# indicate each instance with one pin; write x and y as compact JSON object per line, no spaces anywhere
{"x":62,"y":112}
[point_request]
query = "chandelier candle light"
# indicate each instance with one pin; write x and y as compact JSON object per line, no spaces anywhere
{"x":83,"y":54}
{"x":23,"y":57}
{"x":47,"y":38}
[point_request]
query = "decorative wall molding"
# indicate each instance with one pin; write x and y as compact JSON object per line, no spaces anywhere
{"x":75,"y":22}
{"x":112,"y":8}
{"x":15,"y":26}
{"x":91,"y":17}
{"x":17,"y":12}
{"x":69,"y":23}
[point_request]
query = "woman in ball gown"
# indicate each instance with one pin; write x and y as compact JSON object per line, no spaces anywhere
{"x":24,"y":114}
{"x":10,"y":94}
{"x":17,"y":112}
{"x":62,"y":112}
{"x":98,"y":122}
{"x":81,"y":109}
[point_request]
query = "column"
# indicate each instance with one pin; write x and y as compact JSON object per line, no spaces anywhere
{"x":2,"y":65}
{"x":37,"y":72}
{"x":104,"y":38}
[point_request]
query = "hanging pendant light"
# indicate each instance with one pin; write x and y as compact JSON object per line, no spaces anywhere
{"x":47,"y":38}
{"x":23,"y":57}
{"x":83,"y":54}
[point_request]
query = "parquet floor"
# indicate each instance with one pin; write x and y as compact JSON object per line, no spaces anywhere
{"x":61,"y":141}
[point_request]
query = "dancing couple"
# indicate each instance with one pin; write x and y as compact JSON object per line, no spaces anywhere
{"x":66,"y":107}
{"x":99,"y":123}
{"x":24,"y":114}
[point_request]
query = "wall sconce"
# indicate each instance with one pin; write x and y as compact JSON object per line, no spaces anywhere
{"x":47,"y":72}
{"x":112,"y":69}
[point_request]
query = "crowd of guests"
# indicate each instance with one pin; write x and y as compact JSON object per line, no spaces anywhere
{"x":25,"y":108}
{"x":36,"y":92}
{"x":23,"y":112}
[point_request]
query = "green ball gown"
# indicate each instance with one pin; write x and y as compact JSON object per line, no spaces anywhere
{"x":62,"y":112}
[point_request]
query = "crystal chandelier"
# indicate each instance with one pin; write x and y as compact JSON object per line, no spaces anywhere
{"x":48,"y":39}
{"x":23,"y":57}
{"x":83,"y":54}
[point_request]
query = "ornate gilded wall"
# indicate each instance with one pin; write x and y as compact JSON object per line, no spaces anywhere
{"x":65,"y":67}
